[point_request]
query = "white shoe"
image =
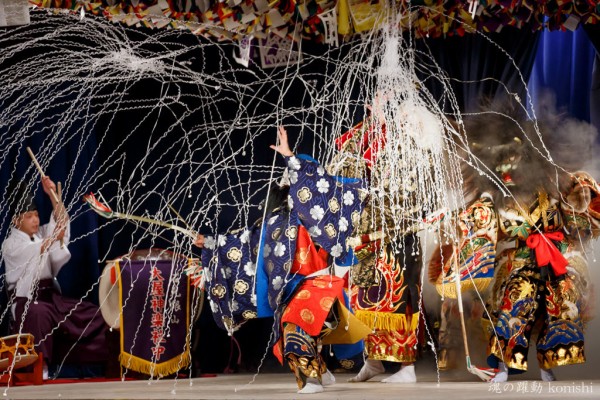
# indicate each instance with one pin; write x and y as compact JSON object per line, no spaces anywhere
{"x":405,"y":375}
{"x":328,"y":379}
{"x":310,"y":388}
{"x":370,"y":369}
{"x":547,"y":375}
{"x":502,"y":374}
{"x":45,"y":372}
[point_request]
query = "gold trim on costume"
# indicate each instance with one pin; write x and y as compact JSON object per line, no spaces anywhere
{"x":512,"y":360}
{"x":397,"y":359}
{"x":449,"y":289}
{"x":551,"y":359}
{"x":387,"y":321}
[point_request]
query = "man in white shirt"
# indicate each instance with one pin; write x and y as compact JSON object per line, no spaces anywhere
{"x":33,"y":256}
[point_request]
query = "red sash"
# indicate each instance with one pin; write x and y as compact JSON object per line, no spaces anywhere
{"x":546,"y":252}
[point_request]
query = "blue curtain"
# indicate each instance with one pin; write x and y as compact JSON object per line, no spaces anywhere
{"x":595,"y":94}
{"x":564,"y":64}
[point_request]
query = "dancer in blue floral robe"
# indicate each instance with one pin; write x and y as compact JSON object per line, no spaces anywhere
{"x":302,"y":241}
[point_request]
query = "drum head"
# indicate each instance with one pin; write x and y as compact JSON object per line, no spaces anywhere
{"x":108,"y":294}
{"x":22,"y":350}
{"x":22,"y":361}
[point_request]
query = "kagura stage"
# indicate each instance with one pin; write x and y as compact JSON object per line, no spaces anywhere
{"x":453,"y":385}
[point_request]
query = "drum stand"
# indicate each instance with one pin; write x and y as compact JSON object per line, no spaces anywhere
{"x":31,"y":378}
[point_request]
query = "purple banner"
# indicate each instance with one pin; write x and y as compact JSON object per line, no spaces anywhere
{"x":155,"y":299}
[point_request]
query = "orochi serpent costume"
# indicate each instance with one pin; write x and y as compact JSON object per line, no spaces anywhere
{"x":541,"y":275}
{"x":292,"y":280}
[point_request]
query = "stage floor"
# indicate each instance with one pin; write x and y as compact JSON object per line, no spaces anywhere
{"x":282,"y":386}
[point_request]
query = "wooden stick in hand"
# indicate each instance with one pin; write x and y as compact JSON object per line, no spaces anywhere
{"x":37,"y":164}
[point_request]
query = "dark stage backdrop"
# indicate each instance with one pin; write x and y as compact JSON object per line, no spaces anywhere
{"x":483,"y":65}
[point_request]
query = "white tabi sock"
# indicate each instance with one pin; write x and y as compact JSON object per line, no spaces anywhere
{"x":547,"y":375}
{"x":502,"y":375}
{"x":370,"y":369}
{"x":327,"y":379}
{"x":310,"y":388}
{"x":405,"y":375}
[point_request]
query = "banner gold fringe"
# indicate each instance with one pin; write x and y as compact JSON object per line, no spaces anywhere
{"x":388,"y":321}
{"x":140,"y":365}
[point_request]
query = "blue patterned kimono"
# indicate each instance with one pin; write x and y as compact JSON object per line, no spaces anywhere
{"x":241,"y":286}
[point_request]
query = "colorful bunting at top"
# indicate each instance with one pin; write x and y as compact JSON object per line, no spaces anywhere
{"x":296,"y":19}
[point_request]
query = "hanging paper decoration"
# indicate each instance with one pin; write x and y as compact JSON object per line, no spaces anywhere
{"x":434,"y":18}
{"x":277,"y":51}
{"x":330,"y":28}
{"x":235,"y":19}
{"x":245,"y":47}
{"x":223,"y":20}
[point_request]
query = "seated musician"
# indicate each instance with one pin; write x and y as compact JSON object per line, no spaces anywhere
{"x":33,"y":256}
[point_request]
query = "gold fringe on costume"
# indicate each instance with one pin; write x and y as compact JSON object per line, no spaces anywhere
{"x":169,"y":367}
{"x":388,"y":321}
{"x":448,"y":289}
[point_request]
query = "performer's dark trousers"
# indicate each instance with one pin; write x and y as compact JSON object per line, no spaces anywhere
{"x":61,"y":327}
